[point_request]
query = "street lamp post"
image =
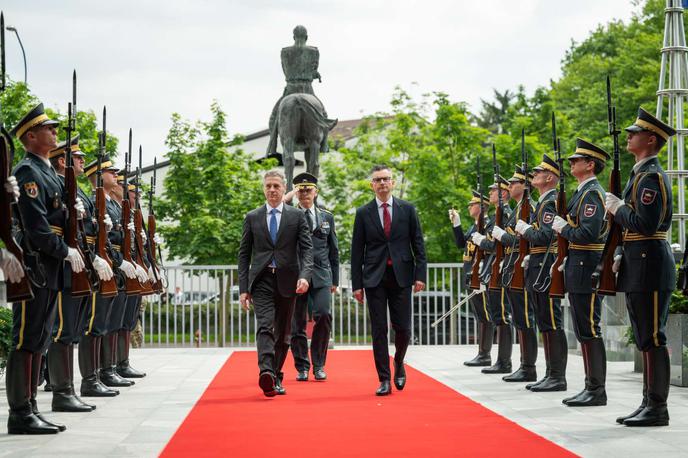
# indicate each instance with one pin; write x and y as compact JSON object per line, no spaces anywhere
{"x":14,"y":29}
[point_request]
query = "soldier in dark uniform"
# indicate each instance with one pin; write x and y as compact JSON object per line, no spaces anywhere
{"x":479,"y":301}
{"x":72,"y":311}
{"x":43,"y":211}
{"x":586,"y":231}
{"x":522,"y":311}
{"x":324,"y":281}
{"x":647,"y":270}
{"x":497,"y":301}
{"x":547,"y":309}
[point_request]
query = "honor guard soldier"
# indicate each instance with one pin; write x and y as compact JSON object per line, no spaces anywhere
{"x":72,"y":311}
{"x":324,"y":281}
{"x":586,"y":231}
{"x":522,"y":311}
{"x":497,"y":302}
{"x":647,"y":270}
{"x":478,"y":301}
{"x":43,"y":212}
{"x":543,"y":250}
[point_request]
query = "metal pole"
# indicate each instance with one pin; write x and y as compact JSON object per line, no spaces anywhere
{"x":14,"y":29}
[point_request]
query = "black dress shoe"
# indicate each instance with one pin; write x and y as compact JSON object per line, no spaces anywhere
{"x":29,"y":424}
{"x":320,"y":374}
{"x":110,"y":378}
{"x":550,"y":384}
{"x":479,"y":360}
{"x":588,"y":398}
{"x":302,"y":376}
{"x":266,"y":382}
{"x":620,"y":420}
{"x":92,"y":387}
{"x":279,"y":389}
{"x":68,"y":402}
{"x":384,"y":389}
{"x":650,"y":416}
{"x":399,"y":376}
{"x":60,"y":427}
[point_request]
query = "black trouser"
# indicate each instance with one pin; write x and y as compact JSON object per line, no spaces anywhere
{"x":522,"y":311}
{"x":118,"y":309}
{"x":586,"y":310}
{"x":98,"y":309}
{"x":648,"y":313}
{"x":273,"y":315}
{"x":479,"y":306}
{"x":131,"y":313}
{"x":547,"y":311}
{"x":32,"y":321}
{"x":388,"y":292}
{"x":498,"y":306}
{"x":71,"y":317}
{"x":320,"y":300}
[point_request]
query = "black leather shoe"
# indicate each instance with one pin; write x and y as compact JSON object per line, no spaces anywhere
{"x":479,"y":360}
{"x":320,"y":374}
{"x":500,"y":367}
{"x":650,"y":416}
{"x":302,"y":376}
{"x":551,"y":384}
{"x":522,"y":374}
{"x":399,"y":376}
{"x":48,"y":387}
{"x":124,"y":370}
{"x":384,"y":389}
{"x":266,"y":382}
{"x":29,"y":424}
{"x":60,"y":427}
{"x":621,"y":420}
{"x":279,"y":389}
{"x":566,"y":401}
{"x":67,"y":402}
{"x":92,"y":387}
{"x":109,"y":377}
{"x":588,"y":398}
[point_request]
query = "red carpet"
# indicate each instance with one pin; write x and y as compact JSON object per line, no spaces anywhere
{"x":342,"y":417}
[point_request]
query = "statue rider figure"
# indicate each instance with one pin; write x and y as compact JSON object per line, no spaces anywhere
{"x":300,"y":67}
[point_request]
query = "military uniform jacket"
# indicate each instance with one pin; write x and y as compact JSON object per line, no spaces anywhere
{"x":463,"y":242}
{"x":489,"y":244}
{"x":116,"y":234}
{"x":586,"y":233}
{"x":540,"y":234}
{"x":325,"y":271}
{"x":647,"y":264}
{"x":510,"y":239}
{"x":42,"y":210}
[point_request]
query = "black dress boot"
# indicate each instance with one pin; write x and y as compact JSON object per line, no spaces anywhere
{"x":503,"y":364}
{"x":88,"y":366}
{"x":36,"y":361}
{"x":279,"y":388}
{"x":399,"y":375}
{"x":71,"y":379}
{"x":558,"y":352}
{"x":108,"y":374}
{"x":545,"y":349}
{"x":655,"y":412}
{"x":586,"y":368}
{"x":58,"y":368}
{"x":485,"y":339}
{"x":123,"y":345}
{"x":384,"y":389}
{"x":22,"y":420}
{"x":596,"y":369}
{"x":528,"y":344}
{"x":643,"y":403}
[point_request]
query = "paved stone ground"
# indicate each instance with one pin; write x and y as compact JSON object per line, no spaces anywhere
{"x":141,"y":420}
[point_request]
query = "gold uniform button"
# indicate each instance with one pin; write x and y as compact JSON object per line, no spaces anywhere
{"x":581,"y":263}
{"x":643,"y":255}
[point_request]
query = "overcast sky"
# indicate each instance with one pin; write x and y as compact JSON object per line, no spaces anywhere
{"x":147,"y":59}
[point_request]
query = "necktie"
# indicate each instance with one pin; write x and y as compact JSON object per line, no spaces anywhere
{"x":309,"y":218}
{"x":387,"y":225}
{"x":273,"y":232}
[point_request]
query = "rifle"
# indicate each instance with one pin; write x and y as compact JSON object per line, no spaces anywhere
{"x":132,"y":285}
{"x":158,"y":286}
{"x":107,"y":288}
{"x":138,"y":227}
{"x":81,"y":283}
{"x":604,"y":279}
{"x":517,"y":280}
{"x":495,"y":276}
{"x":478,"y":254}
{"x":556,"y":288}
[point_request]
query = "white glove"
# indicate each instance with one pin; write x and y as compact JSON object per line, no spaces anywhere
{"x":477,"y":237}
{"x":11,"y":266}
{"x":144,"y":237}
{"x":75,"y":259}
{"x":526,"y":261}
{"x":498,"y":232}
{"x":559,"y":224}
{"x":522,"y":226}
{"x":560,"y":268}
{"x":141,"y":273}
{"x":11,"y":186}
{"x":151,"y":274}
{"x":131,"y":226}
{"x":454,"y":217}
{"x":617,"y":263}
{"x":80,"y":210}
{"x":612,"y":203}
{"x":108,"y":222}
{"x":157,"y":238}
{"x":128,"y":269}
{"x":102,"y":268}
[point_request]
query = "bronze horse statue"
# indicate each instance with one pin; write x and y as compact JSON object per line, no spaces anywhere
{"x":302,"y":126}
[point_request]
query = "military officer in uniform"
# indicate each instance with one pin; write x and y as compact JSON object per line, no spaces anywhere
{"x":647,"y":270}
{"x":586,"y":231}
{"x":43,"y":211}
{"x":497,"y":301}
{"x":522,"y":311}
{"x":479,"y":301}
{"x":323,"y":283}
{"x":539,"y":233}
{"x":72,"y":310}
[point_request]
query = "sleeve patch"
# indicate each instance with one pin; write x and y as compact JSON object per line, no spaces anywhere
{"x":589,"y":210}
{"x":547,"y":217}
{"x":31,"y":189}
{"x":647,"y":196}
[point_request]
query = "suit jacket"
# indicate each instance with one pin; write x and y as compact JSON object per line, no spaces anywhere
{"x":370,"y":248}
{"x":292,"y":250}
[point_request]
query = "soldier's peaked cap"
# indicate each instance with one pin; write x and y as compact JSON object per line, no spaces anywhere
{"x":35,"y":117}
{"x":646,"y":122}
{"x":105,"y":165}
{"x":588,"y":150}
{"x":476,"y":199}
{"x":548,"y":164}
{"x":304,"y":180}
{"x":60,"y":149}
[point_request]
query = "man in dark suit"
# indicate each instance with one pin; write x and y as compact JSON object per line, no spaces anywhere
{"x":387,"y":259}
{"x":275,"y":259}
